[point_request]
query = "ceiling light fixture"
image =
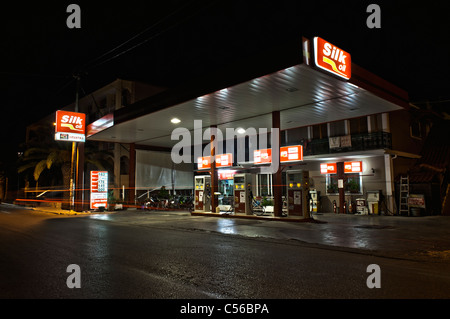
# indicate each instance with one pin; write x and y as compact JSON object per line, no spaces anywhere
{"x":240,"y":130}
{"x":175,"y":120}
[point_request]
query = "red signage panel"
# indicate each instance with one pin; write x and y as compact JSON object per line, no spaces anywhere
{"x":99,"y":189}
{"x":332,"y":59}
{"x":70,"y":122}
{"x":204,"y":162}
{"x":291,"y":153}
{"x":70,"y":126}
{"x":353,"y":167}
{"x":222,"y":160}
{"x":262,"y":156}
{"x":349,"y":167}
{"x":328,"y":168}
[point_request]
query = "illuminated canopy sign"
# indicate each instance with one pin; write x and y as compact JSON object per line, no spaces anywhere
{"x":70,"y":126}
{"x":226,"y":174}
{"x":331,"y":59}
{"x":353,"y":167}
{"x":328,"y":168}
{"x":222,"y":160}
{"x":349,"y":167}
{"x":287,"y":154}
{"x":291,"y":153}
{"x":262,"y":156}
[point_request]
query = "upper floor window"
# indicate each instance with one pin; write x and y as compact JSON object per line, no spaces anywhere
{"x":416,"y":129}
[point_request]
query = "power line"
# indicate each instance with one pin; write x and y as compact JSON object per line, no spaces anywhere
{"x":33,"y":75}
{"x":136,"y":36}
{"x":86,"y":66}
{"x":149,"y":38}
{"x":432,"y":102}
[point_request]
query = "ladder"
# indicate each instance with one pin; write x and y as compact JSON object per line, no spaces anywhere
{"x":404,"y":193}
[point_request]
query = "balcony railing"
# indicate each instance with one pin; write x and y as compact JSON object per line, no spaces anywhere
{"x":359,"y":142}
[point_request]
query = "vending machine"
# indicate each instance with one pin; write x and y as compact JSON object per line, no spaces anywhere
{"x":373,"y":200}
{"x":243,"y":196}
{"x":314,"y":201}
{"x":202,"y":199}
{"x":297,"y":193}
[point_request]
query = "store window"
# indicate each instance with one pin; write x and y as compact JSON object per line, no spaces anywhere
{"x":416,"y":129}
{"x":352,"y":184}
{"x":264,"y":185}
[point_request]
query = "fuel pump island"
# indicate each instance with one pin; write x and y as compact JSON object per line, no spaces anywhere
{"x":247,"y":191}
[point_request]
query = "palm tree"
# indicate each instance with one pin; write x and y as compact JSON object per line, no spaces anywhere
{"x":57,"y":156}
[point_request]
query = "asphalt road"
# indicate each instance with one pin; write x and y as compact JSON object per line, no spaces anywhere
{"x":154,"y":260}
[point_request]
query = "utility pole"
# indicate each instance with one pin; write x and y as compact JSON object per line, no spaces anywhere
{"x":74,"y":161}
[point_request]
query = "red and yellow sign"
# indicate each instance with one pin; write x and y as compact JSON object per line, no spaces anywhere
{"x":291,"y":153}
{"x":349,"y":167}
{"x":204,"y":162}
{"x":332,"y":59}
{"x":287,"y":154}
{"x":328,"y":168}
{"x":353,"y":167}
{"x":70,"y":126}
{"x":222,"y":160}
{"x":262,"y":156}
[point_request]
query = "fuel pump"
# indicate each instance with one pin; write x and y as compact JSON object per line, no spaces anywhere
{"x":298,"y":193}
{"x":243,"y":193}
{"x":202,"y":200}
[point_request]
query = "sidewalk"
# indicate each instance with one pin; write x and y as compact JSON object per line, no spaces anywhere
{"x":393,"y":236}
{"x":426,"y":237}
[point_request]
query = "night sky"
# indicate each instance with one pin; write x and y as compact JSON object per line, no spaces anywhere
{"x":176,"y":40}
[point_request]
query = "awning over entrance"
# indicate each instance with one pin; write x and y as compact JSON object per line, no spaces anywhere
{"x":303,"y":95}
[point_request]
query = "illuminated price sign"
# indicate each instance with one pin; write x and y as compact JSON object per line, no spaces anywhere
{"x":99,"y":189}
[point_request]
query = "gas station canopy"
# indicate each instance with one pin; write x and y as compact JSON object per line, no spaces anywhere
{"x":245,"y":96}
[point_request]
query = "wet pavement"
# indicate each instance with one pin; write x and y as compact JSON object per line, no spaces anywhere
{"x":425,"y":237}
